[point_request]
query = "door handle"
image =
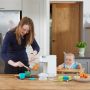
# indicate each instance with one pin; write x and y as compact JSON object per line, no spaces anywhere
{"x":53,"y":40}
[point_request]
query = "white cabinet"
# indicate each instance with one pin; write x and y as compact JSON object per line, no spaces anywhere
{"x":10,"y":4}
{"x":85,"y":62}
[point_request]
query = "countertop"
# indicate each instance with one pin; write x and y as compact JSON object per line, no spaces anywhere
{"x":11,"y":82}
{"x":85,"y":57}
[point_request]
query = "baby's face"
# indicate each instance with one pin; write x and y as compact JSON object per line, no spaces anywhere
{"x":69,"y":60}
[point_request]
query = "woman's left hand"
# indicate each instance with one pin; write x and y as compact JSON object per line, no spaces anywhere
{"x":33,"y":55}
{"x":32,"y":58}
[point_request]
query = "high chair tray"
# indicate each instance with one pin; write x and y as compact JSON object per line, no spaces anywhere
{"x":69,"y":70}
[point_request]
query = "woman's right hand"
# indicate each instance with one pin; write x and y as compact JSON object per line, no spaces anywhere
{"x":16,"y":64}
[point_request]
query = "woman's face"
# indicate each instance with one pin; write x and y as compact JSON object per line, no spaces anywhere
{"x":24,"y":30}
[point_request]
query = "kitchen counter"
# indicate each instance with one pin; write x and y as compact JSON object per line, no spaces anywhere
{"x":86,"y":57}
{"x":11,"y":82}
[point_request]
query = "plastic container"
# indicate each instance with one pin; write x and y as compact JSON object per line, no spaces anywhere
{"x":27,"y":73}
{"x":21,"y":75}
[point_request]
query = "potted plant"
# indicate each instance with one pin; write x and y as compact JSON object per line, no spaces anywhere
{"x":81,"y":45}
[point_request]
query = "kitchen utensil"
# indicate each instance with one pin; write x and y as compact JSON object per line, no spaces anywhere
{"x":21,"y":75}
{"x":27,"y":68}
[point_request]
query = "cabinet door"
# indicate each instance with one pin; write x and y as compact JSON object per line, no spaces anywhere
{"x":10,"y":4}
{"x":85,"y":64}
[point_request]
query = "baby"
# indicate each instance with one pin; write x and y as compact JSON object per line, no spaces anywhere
{"x":70,"y":62}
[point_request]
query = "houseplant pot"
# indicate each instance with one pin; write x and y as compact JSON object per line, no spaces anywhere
{"x":81,"y":52}
{"x":81,"y":46}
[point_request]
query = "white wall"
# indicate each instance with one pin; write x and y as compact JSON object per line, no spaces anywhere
{"x":44,"y":28}
{"x":37,"y":10}
{"x":86,"y":23}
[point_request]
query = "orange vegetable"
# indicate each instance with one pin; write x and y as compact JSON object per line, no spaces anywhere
{"x":83,"y":75}
{"x":35,"y":67}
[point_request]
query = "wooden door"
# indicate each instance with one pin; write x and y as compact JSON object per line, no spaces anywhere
{"x":66,"y":26}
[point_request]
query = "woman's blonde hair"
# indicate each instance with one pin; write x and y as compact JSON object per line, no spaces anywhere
{"x":30,"y":35}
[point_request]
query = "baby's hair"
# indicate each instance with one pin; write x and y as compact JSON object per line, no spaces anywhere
{"x":69,"y":54}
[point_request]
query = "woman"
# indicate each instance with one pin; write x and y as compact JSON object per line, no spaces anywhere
{"x":14,"y":46}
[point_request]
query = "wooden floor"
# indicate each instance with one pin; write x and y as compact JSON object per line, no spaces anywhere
{"x":11,"y":82}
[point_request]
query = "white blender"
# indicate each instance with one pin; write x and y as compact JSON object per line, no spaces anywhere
{"x":49,"y":65}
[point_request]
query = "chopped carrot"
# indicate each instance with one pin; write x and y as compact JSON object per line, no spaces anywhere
{"x":83,"y":75}
{"x":35,"y":67}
